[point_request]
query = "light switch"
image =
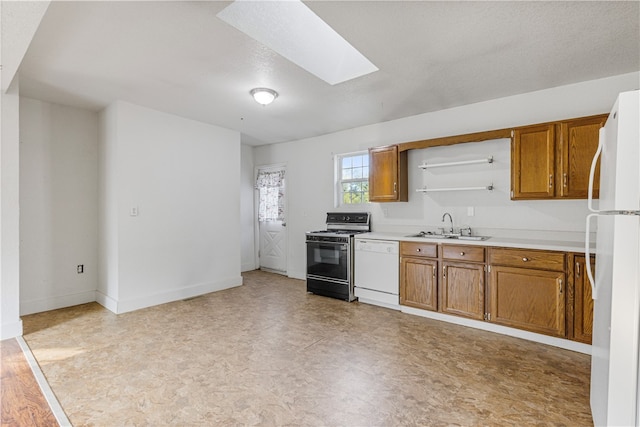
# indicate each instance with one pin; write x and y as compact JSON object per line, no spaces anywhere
{"x":133,"y":211}
{"x":471,"y":211}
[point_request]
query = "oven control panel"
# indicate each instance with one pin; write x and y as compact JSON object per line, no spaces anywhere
{"x":357,"y":218}
{"x":331,"y":239}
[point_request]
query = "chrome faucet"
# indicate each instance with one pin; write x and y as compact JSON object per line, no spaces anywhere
{"x":450,"y":219}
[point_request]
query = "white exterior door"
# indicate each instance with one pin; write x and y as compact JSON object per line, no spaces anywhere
{"x":272,"y":231}
{"x":273,"y":246}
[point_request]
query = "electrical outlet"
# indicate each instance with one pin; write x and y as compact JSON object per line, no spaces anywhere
{"x":471,"y":211}
{"x":80,"y":268}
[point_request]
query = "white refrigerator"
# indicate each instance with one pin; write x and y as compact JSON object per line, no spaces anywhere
{"x":616,"y":288}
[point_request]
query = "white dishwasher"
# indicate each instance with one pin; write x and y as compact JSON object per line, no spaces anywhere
{"x":377,"y":272}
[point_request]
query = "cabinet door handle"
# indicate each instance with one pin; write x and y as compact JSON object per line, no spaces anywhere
{"x":525,"y":259}
{"x":551,"y":181}
{"x":433,"y":269}
{"x":418,"y":250}
{"x":461,"y":253}
{"x":564,"y":179}
{"x":560,"y":285}
{"x":578,"y":269}
{"x":395,"y":187}
{"x":444,"y":271}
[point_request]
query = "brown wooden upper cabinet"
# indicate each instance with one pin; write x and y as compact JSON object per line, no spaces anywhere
{"x":578,"y":145}
{"x":552,"y":160}
{"x":533,"y":162}
{"x":388,"y":174}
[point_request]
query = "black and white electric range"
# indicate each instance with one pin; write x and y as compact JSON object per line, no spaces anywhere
{"x":330,"y":254}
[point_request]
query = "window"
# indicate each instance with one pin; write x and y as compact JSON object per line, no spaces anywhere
{"x":270,"y":185}
{"x":352,"y":171}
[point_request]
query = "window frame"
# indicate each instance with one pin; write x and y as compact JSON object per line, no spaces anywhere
{"x":338,"y":193}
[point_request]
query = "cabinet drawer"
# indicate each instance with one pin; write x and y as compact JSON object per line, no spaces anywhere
{"x":527,"y":258}
{"x":463,"y":253}
{"x":419,"y":249}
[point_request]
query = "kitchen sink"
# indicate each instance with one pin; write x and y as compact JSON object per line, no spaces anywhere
{"x":429,"y":236}
{"x":472,"y":237}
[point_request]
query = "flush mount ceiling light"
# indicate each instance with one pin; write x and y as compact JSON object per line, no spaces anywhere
{"x":263,"y":96}
{"x":292,"y":29}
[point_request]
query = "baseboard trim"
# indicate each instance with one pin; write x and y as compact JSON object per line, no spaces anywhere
{"x":107,"y":302}
{"x":11,"y":330}
{"x":247,"y":267}
{"x":300,"y":275}
{"x":125,"y":306}
{"x":56,"y":302}
{"x":504,"y":330}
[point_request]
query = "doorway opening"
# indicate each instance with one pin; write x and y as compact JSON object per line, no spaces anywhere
{"x":272,"y":231}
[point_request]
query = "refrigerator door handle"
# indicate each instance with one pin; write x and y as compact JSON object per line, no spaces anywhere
{"x":592,"y":171}
{"x":587,"y":255}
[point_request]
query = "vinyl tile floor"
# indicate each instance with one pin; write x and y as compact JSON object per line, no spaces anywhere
{"x":268,"y":353}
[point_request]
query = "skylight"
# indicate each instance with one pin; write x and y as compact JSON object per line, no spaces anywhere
{"x":291,"y":29}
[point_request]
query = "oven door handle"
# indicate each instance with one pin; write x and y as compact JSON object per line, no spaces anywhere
{"x":329,"y":245}
{"x":341,"y":246}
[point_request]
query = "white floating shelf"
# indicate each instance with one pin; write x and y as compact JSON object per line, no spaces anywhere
{"x":435,"y":190}
{"x":464,"y":162}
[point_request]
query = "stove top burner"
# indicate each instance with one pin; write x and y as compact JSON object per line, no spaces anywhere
{"x":343,"y":225}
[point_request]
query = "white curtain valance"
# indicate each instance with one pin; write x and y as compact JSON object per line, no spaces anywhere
{"x":267,"y":179}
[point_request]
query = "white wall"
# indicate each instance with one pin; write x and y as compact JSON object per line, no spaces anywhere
{"x":18,"y":23}
{"x":494,"y":213}
{"x":247,"y":215}
{"x":107,"y":285}
{"x":58,"y":205}
{"x":10,"y":325}
{"x":183,"y":177}
{"x":310,"y":166}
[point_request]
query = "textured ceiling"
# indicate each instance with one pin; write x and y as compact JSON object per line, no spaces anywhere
{"x":180,"y":58}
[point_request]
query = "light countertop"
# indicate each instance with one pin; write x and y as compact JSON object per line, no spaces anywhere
{"x":505,"y":242}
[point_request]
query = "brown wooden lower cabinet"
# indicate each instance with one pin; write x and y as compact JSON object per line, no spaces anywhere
{"x":419,"y":283}
{"x":583,"y":301}
{"x":419,"y":275}
{"x":462,"y":289}
{"x":528,"y":299}
{"x":524,"y":288}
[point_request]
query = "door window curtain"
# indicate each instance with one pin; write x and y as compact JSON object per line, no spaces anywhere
{"x":270,"y":186}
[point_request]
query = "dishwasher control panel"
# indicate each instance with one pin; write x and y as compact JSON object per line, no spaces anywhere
{"x":379,"y":246}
